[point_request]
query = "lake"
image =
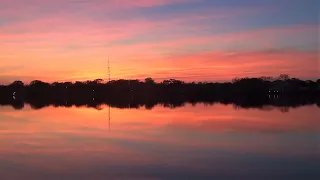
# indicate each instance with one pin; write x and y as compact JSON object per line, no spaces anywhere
{"x":192,"y":142}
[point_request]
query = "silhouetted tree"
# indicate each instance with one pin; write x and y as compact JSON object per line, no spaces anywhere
{"x":35,"y":82}
{"x":172,"y":81}
{"x":149,"y":80}
{"x":98,"y":81}
{"x":18,"y":84}
{"x":235,"y":80}
{"x":283,"y":77}
{"x":266,"y":78}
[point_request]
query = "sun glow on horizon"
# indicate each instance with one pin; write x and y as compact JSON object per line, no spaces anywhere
{"x":188,"y":40}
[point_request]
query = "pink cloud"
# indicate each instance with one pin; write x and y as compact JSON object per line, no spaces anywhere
{"x":144,"y":3}
{"x":111,"y":5}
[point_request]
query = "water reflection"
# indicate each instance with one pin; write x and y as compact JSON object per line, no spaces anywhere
{"x":280,"y":102}
{"x":190,"y":142}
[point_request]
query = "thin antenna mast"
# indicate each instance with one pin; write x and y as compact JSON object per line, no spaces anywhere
{"x":109,"y":69}
{"x":109,"y":79}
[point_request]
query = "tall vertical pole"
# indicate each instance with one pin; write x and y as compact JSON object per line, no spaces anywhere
{"x":109,"y":82}
{"x":109,"y":79}
{"x":109,"y":69}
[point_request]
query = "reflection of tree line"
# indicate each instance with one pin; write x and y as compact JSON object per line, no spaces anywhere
{"x":282,"y":92}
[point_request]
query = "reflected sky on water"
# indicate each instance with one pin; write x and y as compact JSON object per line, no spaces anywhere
{"x":190,"y":142}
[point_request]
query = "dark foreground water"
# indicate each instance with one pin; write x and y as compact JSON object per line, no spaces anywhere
{"x":201,"y":142}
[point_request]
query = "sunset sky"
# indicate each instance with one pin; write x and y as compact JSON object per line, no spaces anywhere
{"x":191,"y":40}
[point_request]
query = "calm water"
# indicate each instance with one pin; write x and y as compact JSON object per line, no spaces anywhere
{"x":201,"y":142}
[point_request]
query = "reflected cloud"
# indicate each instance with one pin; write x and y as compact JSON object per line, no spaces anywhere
{"x":162,"y":142}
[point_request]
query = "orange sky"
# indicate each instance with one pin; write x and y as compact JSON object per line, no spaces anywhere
{"x":191,"y":40}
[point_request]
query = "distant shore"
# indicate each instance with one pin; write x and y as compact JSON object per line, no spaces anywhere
{"x":243,"y":92}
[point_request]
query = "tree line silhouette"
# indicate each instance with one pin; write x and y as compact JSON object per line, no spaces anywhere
{"x":281,"y":91}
